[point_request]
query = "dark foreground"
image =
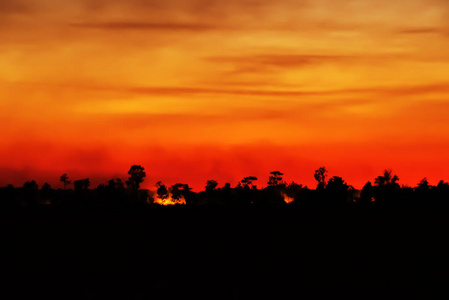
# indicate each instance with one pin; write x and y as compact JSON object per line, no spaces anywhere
{"x":223,"y":253}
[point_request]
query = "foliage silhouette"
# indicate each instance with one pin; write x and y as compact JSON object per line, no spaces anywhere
{"x":335,"y":194}
{"x":387,"y":179}
{"x":30,"y":190}
{"x":211,"y":185}
{"x":423,"y":184}
{"x":320,"y":177}
{"x":338,"y":191}
{"x":366,"y":195}
{"x":275,"y":178}
{"x":81,"y":184}
{"x":162,"y":191}
{"x":247,"y":182}
{"x":180,"y":190}
{"x":116,"y":185}
{"x":387,"y":191}
{"x":46,"y":191}
{"x":137,"y":175}
{"x":65,"y":180}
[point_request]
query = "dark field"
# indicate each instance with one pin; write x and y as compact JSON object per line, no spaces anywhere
{"x":223,"y":253}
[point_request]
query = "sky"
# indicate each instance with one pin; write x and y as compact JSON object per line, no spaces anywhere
{"x":206,"y":89}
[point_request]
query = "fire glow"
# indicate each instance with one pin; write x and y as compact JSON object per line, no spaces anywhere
{"x":287,"y":199}
{"x":170,"y":201}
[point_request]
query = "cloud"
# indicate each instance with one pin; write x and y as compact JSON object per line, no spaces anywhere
{"x":15,"y":7}
{"x":189,"y":91}
{"x":410,"y":90}
{"x":236,"y":92}
{"x":423,"y":30}
{"x":183,"y":91}
{"x":283,"y":60}
{"x":129,"y":25}
{"x":273,"y":65}
{"x":381,"y":90}
{"x":261,"y":63}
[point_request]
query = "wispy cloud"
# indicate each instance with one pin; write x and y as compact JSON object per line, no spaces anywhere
{"x":280,"y":60}
{"x":181,"y":91}
{"x":131,"y":25}
{"x":424,"y":30}
{"x":199,"y":90}
{"x":379,"y":90}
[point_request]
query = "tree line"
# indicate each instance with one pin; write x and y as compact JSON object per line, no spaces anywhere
{"x":332,"y":193}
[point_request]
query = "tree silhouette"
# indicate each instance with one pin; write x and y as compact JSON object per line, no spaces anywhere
{"x":387,"y":179}
{"x":162,"y":191}
{"x":136,"y":177}
{"x":116,"y":184}
{"x":211,"y":185}
{"x":275,"y":178}
{"x":443,"y":184}
{"x":423,"y":184}
{"x":81,"y":185}
{"x":46,"y":192}
{"x":338,"y":191}
{"x":247,"y":182}
{"x":442,"y":194}
{"x":179,"y":190}
{"x":30,"y":189}
{"x":384,"y":193}
{"x":64,"y":179}
{"x":366,"y":194}
{"x":30,"y":192}
{"x":8,"y":196}
{"x":320,"y":177}
{"x":30,"y":186}
{"x":226,"y":193}
{"x":337,"y":182}
{"x":387,"y":190}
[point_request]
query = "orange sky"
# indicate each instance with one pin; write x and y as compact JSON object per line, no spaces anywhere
{"x":208,"y":89}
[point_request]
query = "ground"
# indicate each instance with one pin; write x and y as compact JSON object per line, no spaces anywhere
{"x":222,"y":253}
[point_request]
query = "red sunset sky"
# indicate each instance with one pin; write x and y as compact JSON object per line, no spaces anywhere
{"x":206,"y":89}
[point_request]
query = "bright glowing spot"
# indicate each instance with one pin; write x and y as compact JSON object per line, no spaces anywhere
{"x":287,"y":199}
{"x":170,"y":201}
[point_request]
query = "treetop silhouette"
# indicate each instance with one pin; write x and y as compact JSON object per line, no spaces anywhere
{"x":137,"y":174}
{"x":320,"y":177}
{"x":64,"y":179}
{"x":211,"y":185}
{"x":81,"y":184}
{"x":387,"y":179}
{"x":334,"y":193}
{"x":275,"y":178}
{"x":162,"y":190}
